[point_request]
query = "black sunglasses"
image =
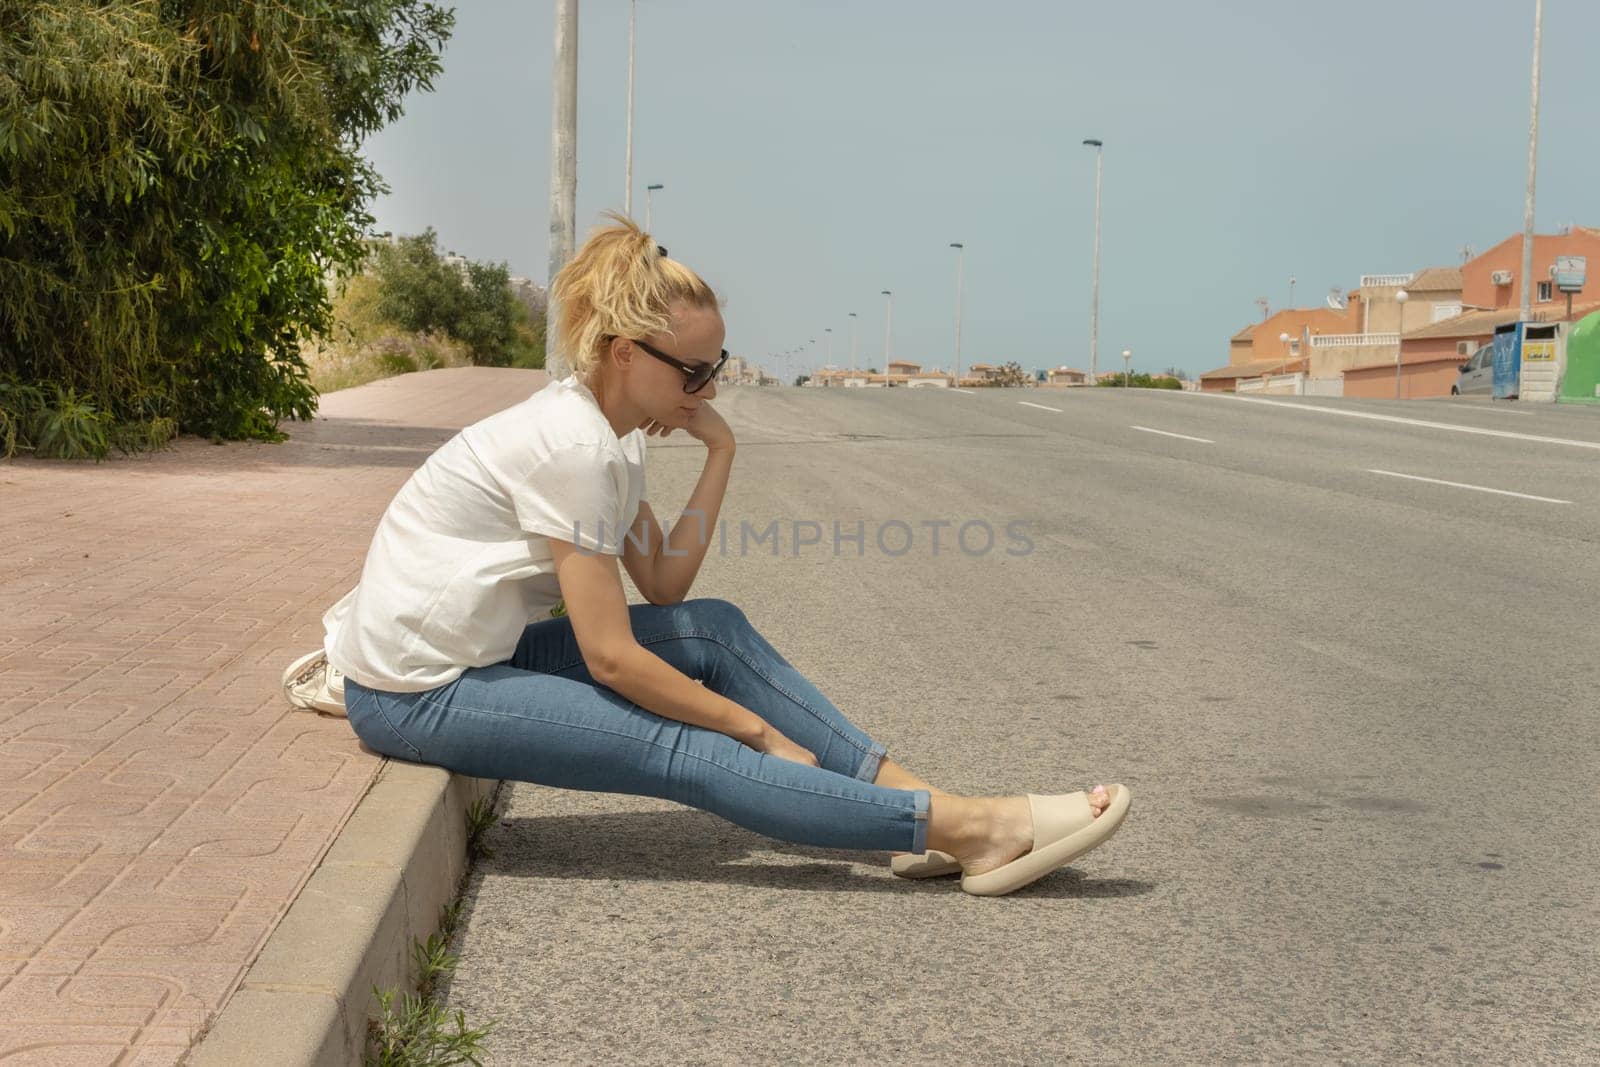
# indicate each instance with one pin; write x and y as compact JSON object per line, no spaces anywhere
{"x":698,"y":373}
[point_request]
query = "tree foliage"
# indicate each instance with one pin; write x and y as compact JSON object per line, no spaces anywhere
{"x":178,"y":181}
{"x":1009,"y":374}
{"x":472,"y":302}
{"x":1141,"y":381}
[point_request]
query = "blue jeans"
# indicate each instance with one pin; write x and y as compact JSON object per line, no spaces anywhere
{"x":541,"y":717}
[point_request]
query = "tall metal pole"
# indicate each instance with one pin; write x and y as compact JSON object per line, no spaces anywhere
{"x":827,"y":346}
{"x":1533,"y":162}
{"x":888,"y":331}
{"x":1094,"y":309}
{"x":563,"y":161}
{"x":852,"y":342}
{"x":961,"y":261}
{"x":1400,"y":298}
{"x":627,"y":181}
{"x":650,"y":203}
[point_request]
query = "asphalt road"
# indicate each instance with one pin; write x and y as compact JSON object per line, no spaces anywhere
{"x":1357,"y":711}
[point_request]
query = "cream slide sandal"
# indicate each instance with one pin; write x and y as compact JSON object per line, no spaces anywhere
{"x":1064,"y":828}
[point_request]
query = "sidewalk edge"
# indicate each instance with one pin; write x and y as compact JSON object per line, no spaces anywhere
{"x":396,"y":863}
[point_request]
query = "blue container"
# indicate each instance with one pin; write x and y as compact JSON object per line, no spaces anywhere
{"x":1507,"y":360}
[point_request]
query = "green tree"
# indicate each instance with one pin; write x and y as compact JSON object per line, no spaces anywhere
{"x":489,"y":314}
{"x":423,"y":292}
{"x":1141,"y":381}
{"x":178,"y":180}
{"x":417,"y":290}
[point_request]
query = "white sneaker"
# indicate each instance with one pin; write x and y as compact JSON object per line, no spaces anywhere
{"x":310,"y":683}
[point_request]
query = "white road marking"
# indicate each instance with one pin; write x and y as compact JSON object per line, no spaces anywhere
{"x":1041,"y":407}
{"x":1464,"y":485}
{"x":963,"y":392}
{"x":1414,"y":422}
{"x":1468,"y":406}
{"x":1180,"y":436}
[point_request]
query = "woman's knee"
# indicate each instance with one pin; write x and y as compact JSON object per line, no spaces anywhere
{"x":714,"y":615}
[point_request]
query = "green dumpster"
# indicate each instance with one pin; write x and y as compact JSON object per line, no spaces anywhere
{"x":1581,"y":383}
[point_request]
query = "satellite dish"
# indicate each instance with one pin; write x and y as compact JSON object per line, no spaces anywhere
{"x":1337,"y":301}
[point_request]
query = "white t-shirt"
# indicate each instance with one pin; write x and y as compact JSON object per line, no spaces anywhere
{"x":461,"y":561}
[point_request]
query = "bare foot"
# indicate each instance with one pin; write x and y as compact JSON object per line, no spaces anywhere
{"x":1011,"y":833}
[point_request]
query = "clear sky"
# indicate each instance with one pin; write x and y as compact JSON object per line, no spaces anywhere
{"x":817,"y":153}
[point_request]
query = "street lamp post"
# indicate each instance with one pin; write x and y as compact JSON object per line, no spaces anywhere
{"x":1283,"y":342}
{"x":961,"y":262}
{"x":649,"y":203}
{"x":1094,"y":307}
{"x":627,"y":167}
{"x":1400,"y":299}
{"x":1127,"y":356}
{"x":1526,"y":281}
{"x":827,"y":346}
{"x":888,"y":332}
{"x":852,"y":342}
{"x":563,"y":160}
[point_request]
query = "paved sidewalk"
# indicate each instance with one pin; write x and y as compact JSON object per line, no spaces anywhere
{"x":160,"y":806}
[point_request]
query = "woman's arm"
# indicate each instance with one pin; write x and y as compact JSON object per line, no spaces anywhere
{"x":598,"y":607}
{"x":668,"y":565}
{"x":679,"y":556}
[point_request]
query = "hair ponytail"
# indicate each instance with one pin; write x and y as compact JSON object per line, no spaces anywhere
{"x":620,"y":284}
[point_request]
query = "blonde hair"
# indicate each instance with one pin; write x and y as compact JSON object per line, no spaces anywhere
{"x":618,"y":285}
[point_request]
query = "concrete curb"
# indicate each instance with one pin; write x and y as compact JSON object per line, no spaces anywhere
{"x":307,"y":996}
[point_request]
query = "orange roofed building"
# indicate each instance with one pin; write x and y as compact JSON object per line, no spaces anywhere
{"x":1257,"y":351}
{"x":1491,"y":296}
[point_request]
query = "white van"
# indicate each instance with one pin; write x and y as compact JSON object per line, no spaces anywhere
{"x":1476,"y":374}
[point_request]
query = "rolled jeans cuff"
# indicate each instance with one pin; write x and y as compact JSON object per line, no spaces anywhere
{"x":868,"y":771}
{"x":919,"y":836}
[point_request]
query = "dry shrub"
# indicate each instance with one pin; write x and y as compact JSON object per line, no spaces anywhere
{"x":365,"y":348}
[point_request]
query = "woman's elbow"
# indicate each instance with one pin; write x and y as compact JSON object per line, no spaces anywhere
{"x":607,"y":664}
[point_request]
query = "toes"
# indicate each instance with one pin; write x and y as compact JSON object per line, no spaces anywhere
{"x":1099,"y":800}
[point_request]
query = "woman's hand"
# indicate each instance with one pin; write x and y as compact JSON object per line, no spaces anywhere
{"x":708,"y":427}
{"x":774,"y":743}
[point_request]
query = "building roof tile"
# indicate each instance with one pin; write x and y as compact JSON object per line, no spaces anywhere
{"x":1478,"y":321}
{"x":1435,"y":280}
{"x":1254,"y":368}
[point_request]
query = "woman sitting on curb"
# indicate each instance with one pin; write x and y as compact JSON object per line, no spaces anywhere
{"x":526,"y":515}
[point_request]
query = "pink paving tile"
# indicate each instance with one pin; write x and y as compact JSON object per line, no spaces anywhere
{"x":28,"y":881}
{"x":112,"y":1000}
{"x":160,"y":804}
{"x":45,"y":1045}
{"x":24,"y":930}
